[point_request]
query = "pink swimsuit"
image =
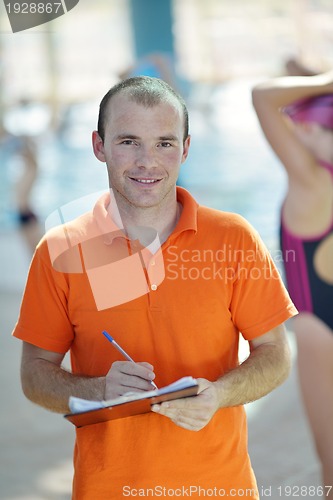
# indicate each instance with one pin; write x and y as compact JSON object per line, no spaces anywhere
{"x":308,"y":291}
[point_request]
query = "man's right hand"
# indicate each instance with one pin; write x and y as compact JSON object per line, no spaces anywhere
{"x":125,"y":376}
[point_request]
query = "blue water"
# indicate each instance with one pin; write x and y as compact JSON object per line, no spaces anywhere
{"x":230,"y":166}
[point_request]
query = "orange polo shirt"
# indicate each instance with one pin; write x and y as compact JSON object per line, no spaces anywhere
{"x":182,"y":308}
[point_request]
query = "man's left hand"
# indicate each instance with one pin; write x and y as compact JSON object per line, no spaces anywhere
{"x":192,"y":413}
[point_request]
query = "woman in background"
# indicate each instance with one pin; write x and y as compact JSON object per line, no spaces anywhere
{"x":296,"y":116}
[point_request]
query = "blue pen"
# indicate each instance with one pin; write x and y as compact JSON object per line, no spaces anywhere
{"x":124,"y":353}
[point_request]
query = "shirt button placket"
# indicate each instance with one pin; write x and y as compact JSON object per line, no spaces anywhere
{"x":153,"y":295}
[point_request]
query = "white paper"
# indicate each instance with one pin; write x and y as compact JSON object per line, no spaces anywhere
{"x":78,"y":405}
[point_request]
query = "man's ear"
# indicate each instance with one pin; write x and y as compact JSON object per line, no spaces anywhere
{"x":98,"y":146}
{"x":186,"y":148}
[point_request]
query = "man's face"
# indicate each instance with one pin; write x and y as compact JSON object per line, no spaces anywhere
{"x":143,"y":149}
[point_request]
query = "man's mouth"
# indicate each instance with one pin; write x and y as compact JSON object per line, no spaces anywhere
{"x":145,"y":181}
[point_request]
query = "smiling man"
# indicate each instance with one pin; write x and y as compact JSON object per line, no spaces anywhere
{"x":144,"y":142}
{"x":85,"y":278}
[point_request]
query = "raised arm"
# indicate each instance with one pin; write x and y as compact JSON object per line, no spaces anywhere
{"x":47,"y":383}
{"x":268,"y":100}
{"x":267,"y":366}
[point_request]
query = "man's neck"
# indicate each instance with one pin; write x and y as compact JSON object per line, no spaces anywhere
{"x":162,"y":219}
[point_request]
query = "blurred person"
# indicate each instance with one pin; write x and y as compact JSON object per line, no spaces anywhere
{"x":296,"y":116}
{"x":185,"y":321}
{"x":23,"y":124}
{"x":295,"y":67}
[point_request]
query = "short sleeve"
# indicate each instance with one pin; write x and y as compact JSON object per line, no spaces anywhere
{"x":43,"y":319}
{"x":260,"y":301}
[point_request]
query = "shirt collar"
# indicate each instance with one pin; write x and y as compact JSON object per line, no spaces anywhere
{"x":102,"y":214}
{"x":109,"y":222}
{"x":188,"y":218}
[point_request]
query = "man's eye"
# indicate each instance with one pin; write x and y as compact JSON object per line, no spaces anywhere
{"x":128,"y":142}
{"x":166,"y":144}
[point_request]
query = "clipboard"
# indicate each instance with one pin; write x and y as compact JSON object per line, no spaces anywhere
{"x":136,"y":404}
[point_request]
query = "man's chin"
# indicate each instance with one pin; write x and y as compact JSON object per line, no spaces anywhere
{"x":144,"y":202}
{"x":147,"y":200}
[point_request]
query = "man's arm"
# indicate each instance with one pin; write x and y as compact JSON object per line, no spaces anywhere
{"x":267,"y":366}
{"x":46,"y":383}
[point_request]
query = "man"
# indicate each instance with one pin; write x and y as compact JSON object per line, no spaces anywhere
{"x":181,"y":316}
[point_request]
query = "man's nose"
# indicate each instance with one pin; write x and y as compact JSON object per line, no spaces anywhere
{"x":146,"y":157}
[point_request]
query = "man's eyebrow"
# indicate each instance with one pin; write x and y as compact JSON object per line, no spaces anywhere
{"x":127,"y":136}
{"x":170,"y":137}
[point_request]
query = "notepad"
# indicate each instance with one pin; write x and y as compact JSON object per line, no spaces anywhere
{"x":84,"y":412}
